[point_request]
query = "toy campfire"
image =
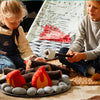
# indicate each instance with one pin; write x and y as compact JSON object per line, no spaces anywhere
{"x":40,"y":79}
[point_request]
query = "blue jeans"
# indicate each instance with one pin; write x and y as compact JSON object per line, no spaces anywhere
{"x":5,"y":62}
{"x":81,"y":66}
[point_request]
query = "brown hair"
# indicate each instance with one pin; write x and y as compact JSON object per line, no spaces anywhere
{"x":8,"y":8}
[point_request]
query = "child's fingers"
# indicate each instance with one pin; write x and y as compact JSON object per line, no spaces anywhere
{"x":40,"y":59}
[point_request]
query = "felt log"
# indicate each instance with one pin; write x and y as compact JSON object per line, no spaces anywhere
{"x":54,"y":75}
{"x":3,"y":80}
{"x":47,"y":68}
{"x":7,"y":70}
{"x":37,"y":63}
{"x":28,"y":77}
{"x":53,"y":67}
{"x":27,"y":85}
{"x":58,"y":67}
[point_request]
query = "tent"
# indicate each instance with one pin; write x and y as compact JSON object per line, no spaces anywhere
{"x":55,"y":25}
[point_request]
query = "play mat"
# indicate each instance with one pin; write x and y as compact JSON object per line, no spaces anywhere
{"x":42,"y":92}
{"x":42,"y":79}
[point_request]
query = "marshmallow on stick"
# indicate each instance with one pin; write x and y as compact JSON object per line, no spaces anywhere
{"x":51,"y":54}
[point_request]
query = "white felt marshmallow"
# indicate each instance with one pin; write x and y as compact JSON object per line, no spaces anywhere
{"x":49,"y":53}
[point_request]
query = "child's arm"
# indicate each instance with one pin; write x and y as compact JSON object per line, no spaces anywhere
{"x":23,"y":44}
{"x":24,"y":47}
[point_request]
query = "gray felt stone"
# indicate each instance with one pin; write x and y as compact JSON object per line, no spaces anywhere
{"x":4,"y":85}
{"x":40,"y":91}
{"x":19,"y":90}
{"x":31,"y":91}
{"x":63,"y":85}
{"x":48,"y":90}
{"x":65,"y":78}
{"x":55,"y":82}
{"x":56,"y":89}
{"x":8,"y":89}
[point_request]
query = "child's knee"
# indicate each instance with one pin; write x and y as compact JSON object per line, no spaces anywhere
{"x":6,"y":65}
{"x":10,"y":65}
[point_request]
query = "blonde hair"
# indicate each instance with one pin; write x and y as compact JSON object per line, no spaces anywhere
{"x":95,"y":2}
{"x":15,"y":8}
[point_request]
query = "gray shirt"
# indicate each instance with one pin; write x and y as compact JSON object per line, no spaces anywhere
{"x":88,"y":38}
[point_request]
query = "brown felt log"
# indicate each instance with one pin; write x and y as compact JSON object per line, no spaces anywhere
{"x":47,"y":68}
{"x":53,"y":67}
{"x":37,"y":63}
{"x":54,"y":75}
{"x":7,"y":70}
{"x":28,"y":77}
{"x":2,"y":80}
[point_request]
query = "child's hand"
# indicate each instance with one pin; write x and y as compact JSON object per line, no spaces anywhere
{"x":70,"y":52}
{"x":40,"y":59}
{"x":31,"y":57}
{"x":76,"y":57}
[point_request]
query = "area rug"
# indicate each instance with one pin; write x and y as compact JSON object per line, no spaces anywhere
{"x":79,"y":80}
{"x":76,"y":78}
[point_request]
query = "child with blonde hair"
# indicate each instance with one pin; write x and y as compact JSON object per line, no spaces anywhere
{"x":14,"y":46}
{"x":86,"y":47}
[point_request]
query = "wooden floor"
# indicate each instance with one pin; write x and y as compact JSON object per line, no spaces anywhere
{"x":74,"y":93}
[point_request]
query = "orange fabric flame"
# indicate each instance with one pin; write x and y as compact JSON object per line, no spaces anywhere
{"x":41,"y":79}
